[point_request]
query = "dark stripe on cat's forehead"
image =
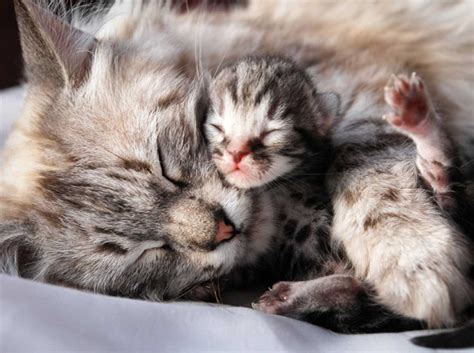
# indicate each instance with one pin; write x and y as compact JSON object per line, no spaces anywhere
{"x":103,"y":230}
{"x":119,"y":176}
{"x":263,"y":92}
{"x":169,"y":99}
{"x":232,"y":86}
{"x":111,"y":247}
{"x":136,"y":165}
{"x":246,"y":91}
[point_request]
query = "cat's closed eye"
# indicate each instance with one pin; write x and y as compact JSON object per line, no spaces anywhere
{"x":218,"y":128}
{"x":141,"y":252}
{"x":166,"y":247}
{"x":179,"y":183}
{"x":175,"y":183}
{"x":266,"y":133}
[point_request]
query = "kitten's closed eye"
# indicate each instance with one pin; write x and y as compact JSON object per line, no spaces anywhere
{"x":218,"y":128}
{"x":265,"y":134}
{"x":252,"y":138}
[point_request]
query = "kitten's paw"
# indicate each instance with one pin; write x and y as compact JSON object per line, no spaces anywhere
{"x":297,"y":299}
{"x":409,"y":101}
{"x":277,"y":300}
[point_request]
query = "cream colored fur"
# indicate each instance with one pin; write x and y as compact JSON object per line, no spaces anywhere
{"x":362,"y":43}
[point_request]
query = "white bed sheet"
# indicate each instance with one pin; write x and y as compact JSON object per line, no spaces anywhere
{"x":36,"y":317}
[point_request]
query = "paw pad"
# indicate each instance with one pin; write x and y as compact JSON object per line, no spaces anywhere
{"x":408,"y":99}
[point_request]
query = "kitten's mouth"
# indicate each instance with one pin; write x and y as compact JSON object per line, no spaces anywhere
{"x":243,"y":178}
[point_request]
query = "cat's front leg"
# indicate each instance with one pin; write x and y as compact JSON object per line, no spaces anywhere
{"x":414,"y":116}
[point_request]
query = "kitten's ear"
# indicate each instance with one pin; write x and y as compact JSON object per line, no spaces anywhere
{"x":55,"y":53}
{"x":330,"y":104}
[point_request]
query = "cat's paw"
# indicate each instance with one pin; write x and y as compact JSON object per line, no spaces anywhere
{"x":409,"y":101}
{"x":277,"y":300}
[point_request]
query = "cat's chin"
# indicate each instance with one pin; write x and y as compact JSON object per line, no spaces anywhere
{"x":243,"y":180}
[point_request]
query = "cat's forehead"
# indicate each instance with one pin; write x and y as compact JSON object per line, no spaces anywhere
{"x":247,"y":119}
{"x":128,"y":107}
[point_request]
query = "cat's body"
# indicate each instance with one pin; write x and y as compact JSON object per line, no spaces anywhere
{"x":114,"y":138}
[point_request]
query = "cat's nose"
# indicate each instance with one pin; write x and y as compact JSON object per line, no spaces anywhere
{"x":225,"y":231}
{"x":238,"y":155}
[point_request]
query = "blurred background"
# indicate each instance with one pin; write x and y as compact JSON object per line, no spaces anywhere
{"x":10,"y":55}
{"x":10,"y":52}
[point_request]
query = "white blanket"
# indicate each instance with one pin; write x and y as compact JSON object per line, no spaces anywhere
{"x":35,"y":317}
{"x":38,"y":318}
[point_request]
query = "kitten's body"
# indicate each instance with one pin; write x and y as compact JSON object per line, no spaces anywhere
{"x":371,"y":160}
{"x":303,"y":249}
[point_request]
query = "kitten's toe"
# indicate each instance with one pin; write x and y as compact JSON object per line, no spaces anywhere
{"x":401,"y":83}
{"x":276,"y":300}
{"x":393,"y":119}
{"x":408,"y":99}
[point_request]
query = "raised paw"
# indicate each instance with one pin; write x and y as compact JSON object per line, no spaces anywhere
{"x":409,"y":101}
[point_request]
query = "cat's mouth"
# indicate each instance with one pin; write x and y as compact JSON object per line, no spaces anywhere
{"x":244,"y":178}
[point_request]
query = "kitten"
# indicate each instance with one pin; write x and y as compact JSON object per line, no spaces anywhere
{"x":304,"y":299}
{"x":351,"y":300}
{"x":265,"y":119}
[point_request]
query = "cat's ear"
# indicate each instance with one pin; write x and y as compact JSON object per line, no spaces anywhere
{"x":55,"y":53}
{"x":14,"y":243}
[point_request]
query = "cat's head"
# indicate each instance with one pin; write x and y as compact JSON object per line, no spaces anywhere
{"x":113,"y":189}
{"x":264,"y":119}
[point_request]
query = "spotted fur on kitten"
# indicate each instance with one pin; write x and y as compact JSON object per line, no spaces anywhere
{"x":304,"y":251}
{"x":265,"y":118}
{"x":321,"y":283}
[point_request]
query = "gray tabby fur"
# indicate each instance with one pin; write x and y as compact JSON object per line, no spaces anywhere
{"x":116,"y":192}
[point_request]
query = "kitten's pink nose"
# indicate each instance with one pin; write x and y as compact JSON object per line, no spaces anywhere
{"x":224,"y":232}
{"x":237,"y":156}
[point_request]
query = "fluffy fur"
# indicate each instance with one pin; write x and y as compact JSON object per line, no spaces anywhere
{"x":265,"y":118}
{"x":115,"y":175}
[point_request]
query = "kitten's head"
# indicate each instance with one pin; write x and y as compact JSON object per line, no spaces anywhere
{"x":115,"y":192}
{"x":263,"y":120}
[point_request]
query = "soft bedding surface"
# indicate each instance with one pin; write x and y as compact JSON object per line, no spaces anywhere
{"x":36,"y":317}
{"x":42,"y":318}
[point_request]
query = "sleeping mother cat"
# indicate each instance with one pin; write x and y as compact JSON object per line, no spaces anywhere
{"x":108,"y":185}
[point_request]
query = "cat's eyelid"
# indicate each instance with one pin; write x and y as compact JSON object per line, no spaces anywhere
{"x":173,"y":184}
{"x":217,"y":127}
{"x":268,"y":132}
{"x":136,"y":252}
